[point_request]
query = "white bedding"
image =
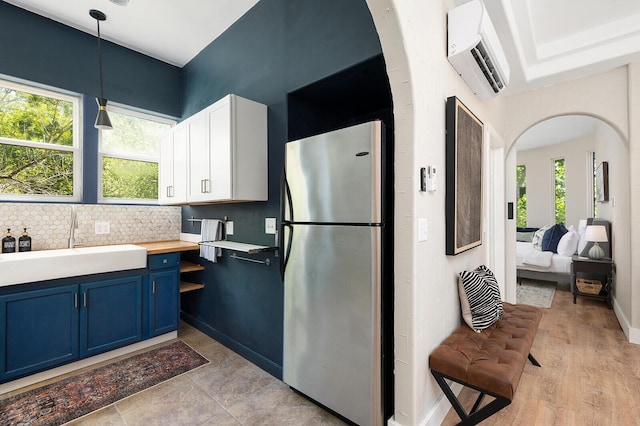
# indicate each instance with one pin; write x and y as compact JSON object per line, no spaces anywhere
{"x":530,"y":259}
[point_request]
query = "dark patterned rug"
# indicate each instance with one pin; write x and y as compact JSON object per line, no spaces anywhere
{"x":68,"y":399}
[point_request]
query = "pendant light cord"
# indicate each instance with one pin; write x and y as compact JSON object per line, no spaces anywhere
{"x":100,"y":59}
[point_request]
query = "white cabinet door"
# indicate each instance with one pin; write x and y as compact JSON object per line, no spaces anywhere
{"x":199,"y":184}
{"x":172,"y":173}
{"x":220,"y":145}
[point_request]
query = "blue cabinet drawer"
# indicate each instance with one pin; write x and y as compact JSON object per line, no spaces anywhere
{"x":162,"y":261}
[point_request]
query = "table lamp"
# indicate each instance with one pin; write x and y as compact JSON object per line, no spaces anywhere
{"x":596,"y":234}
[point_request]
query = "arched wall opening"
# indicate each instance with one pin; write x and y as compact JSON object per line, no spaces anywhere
{"x":608,"y":143}
{"x":397,"y":63}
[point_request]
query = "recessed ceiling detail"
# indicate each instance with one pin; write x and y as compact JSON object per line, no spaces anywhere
{"x":560,"y":40}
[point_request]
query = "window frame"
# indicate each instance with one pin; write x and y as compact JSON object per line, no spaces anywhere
{"x":138,"y":113}
{"x":75,"y":148}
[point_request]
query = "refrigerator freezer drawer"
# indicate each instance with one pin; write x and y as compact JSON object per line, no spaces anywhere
{"x":332,"y":318}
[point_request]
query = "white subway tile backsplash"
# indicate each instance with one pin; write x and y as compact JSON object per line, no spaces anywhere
{"x":49,"y":224}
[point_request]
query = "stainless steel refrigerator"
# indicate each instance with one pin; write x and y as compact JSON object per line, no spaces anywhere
{"x":331,"y":230}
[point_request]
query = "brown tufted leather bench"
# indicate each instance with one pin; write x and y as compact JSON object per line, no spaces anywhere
{"x":490,"y":362}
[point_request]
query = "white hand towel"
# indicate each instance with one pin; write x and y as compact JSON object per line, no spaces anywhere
{"x":211,"y":230}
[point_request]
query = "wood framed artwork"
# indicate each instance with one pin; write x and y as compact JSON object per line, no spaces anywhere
{"x":464,"y":156}
{"x":602,"y":182}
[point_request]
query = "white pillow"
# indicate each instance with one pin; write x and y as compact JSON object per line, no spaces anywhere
{"x":582,"y":231}
{"x":568,"y":244}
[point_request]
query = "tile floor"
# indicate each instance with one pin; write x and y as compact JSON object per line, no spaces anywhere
{"x":228,"y":391}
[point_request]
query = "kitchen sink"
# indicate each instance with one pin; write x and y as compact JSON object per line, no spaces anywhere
{"x":32,"y":266}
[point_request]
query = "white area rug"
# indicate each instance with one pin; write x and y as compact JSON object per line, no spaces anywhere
{"x":536,"y":293}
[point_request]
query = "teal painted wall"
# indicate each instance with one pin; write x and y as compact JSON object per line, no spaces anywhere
{"x":276,"y":48}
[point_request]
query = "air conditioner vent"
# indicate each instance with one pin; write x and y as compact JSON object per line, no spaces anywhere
{"x":488,"y":69}
{"x":475,"y":51}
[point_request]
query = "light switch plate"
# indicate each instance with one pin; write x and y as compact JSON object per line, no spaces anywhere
{"x":270,"y":225}
{"x":423,"y":229}
{"x":229,"y":227}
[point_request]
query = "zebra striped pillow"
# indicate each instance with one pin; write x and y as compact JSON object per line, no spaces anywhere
{"x":479,"y":298}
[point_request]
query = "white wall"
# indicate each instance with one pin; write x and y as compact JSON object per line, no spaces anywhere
{"x":610,"y":148}
{"x":413,"y":37}
{"x":427,"y":306}
{"x":540,"y":181}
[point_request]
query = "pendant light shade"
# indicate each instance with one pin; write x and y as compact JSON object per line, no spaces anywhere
{"x":102,"y":120}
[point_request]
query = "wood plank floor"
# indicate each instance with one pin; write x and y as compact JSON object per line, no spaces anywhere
{"x":590,"y":373}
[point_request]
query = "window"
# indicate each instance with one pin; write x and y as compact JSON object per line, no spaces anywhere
{"x":592,"y":176}
{"x":129,"y":157}
{"x":559,"y":185}
{"x":521,"y":203}
{"x":40,"y":156}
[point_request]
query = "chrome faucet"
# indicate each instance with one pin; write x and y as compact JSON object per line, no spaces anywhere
{"x":73,"y":226}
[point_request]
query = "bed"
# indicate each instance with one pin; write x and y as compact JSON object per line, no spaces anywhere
{"x":533,"y":264}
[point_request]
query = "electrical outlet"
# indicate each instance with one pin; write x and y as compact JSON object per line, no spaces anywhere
{"x":270,"y":225}
{"x":229,"y":227}
{"x":102,"y":227}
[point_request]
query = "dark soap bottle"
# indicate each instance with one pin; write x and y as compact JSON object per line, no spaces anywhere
{"x":8,"y":243}
{"x":24,"y":242}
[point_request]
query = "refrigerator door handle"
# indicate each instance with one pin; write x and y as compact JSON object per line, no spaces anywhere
{"x":286,"y":252}
{"x":285,"y":203}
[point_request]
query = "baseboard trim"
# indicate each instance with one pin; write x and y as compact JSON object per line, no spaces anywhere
{"x":259,"y":360}
{"x":438,"y":412}
{"x":633,"y":334}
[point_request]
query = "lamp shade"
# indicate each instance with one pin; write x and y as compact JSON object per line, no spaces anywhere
{"x":102,"y":119}
{"x":596,"y":234}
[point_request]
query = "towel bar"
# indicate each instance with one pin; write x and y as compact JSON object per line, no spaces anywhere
{"x":193,"y":220}
{"x":246,"y":259}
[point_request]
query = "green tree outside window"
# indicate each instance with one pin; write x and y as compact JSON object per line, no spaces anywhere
{"x":560,"y":190}
{"x":36,"y":144}
{"x":521,"y":203}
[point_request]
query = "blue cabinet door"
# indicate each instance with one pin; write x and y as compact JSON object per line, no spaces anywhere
{"x":110,"y":314}
{"x":38,"y":330}
{"x":163,"y":293}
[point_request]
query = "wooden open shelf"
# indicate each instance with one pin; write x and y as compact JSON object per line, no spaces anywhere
{"x":187,"y":286}
{"x":186,"y":266}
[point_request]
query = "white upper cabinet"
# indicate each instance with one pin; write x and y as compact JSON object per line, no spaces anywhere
{"x":172,"y":188}
{"x":226,"y":155}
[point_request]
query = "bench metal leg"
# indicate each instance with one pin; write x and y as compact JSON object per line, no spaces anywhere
{"x":474,"y":416}
{"x":534,"y":361}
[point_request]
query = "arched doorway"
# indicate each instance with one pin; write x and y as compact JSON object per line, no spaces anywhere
{"x":581,"y":142}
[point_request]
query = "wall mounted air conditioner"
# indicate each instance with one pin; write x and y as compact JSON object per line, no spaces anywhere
{"x":475,"y":51}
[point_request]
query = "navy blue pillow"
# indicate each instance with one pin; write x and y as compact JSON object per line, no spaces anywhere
{"x":552,"y":237}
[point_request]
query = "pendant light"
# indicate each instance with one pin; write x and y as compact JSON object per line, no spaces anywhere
{"x":102,"y":120}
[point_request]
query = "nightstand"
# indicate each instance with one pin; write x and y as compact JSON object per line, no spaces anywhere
{"x":603,"y":268}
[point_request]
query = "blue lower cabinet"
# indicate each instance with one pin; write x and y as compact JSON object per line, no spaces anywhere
{"x":162,"y":292}
{"x":54,"y":324}
{"x":111,"y":314}
{"x":39,"y":330}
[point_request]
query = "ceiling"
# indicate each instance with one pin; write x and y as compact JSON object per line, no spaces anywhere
{"x":545,"y":41}
{"x":550,"y":41}
{"x":556,"y":130}
{"x":169,"y":30}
